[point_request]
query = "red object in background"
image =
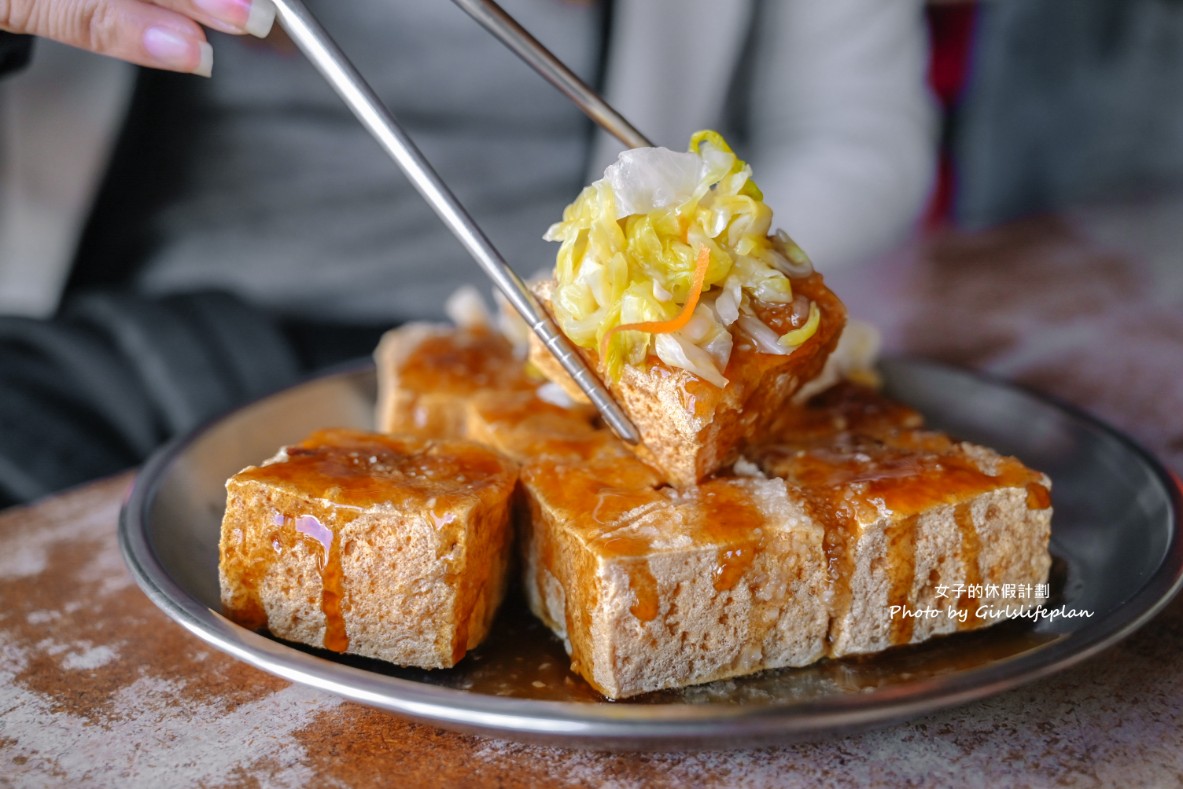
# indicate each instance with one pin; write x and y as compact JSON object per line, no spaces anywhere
{"x":950,"y":31}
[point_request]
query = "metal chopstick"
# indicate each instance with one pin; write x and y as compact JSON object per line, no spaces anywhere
{"x":345,"y":79}
{"x":507,"y":30}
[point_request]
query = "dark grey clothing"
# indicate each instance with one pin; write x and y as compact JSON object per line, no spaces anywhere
{"x":1069,"y":102}
{"x":14,"y":51}
{"x":95,"y":390}
{"x":259,"y":181}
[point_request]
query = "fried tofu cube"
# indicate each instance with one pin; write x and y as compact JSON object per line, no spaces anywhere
{"x":691,"y":428}
{"x":918,"y":527}
{"x":386,"y":547}
{"x":524,"y":427}
{"x":652,"y":588}
{"x":427,"y":372}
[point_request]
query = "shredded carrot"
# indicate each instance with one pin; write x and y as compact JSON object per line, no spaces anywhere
{"x":677,"y":322}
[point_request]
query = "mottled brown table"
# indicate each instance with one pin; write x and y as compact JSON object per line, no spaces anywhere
{"x":99,"y":688}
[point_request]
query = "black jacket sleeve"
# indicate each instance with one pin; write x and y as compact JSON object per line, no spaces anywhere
{"x":14,"y":51}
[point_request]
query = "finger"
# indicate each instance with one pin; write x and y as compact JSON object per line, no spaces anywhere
{"x":130,"y":30}
{"x":229,"y":16}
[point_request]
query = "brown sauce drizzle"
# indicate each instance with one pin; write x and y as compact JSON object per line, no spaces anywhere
{"x":328,"y":563}
{"x":468,"y":360}
{"x":460,"y":639}
{"x":360,"y":470}
{"x":248,"y":565}
{"x":856,"y":457}
{"x":641,"y":581}
{"x":527,"y":428}
{"x":839,"y":537}
{"x":901,"y":571}
{"x":781,"y":318}
{"x":848,"y":408}
{"x":748,"y":366}
{"x":698,"y":397}
{"x":543,"y":548}
{"x":332,"y":596}
{"x":580,"y":469}
{"x":354,"y":471}
{"x":644,"y":587}
{"x":731,"y":564}
{"x":971,"y":549}
{"x":246,"y":561}
{"x":609,"y":497}
{"x":731,"y":519}
{"x":612,"y":493}
{"x":1038,"y":496}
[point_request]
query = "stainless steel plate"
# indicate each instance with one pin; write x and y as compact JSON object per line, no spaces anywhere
{"x":1115,"y":540}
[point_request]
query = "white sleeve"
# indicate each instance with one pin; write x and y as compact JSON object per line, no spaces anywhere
{"x":842,"y":128}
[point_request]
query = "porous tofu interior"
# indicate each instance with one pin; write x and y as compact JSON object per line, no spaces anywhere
{"x":690,"y":428}
{"x":393,"y":548}
{"x":653,"y":588}
{"x":841,"y":510}
{"x":853,"y":509}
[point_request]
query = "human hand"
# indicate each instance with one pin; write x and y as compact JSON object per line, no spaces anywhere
{"x":164,"y":34}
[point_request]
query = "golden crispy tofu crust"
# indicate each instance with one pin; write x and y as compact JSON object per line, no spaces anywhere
{"x":691,"y":428}
{"x":840,"y":513}
{"x":387,"y":547}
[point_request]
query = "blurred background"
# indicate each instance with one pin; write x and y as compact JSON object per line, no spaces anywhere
{"x":995,"y":184}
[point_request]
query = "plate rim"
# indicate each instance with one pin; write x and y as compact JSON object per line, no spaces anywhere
{"x":637,"y":726}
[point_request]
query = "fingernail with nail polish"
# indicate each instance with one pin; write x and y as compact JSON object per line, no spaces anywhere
{"x":171,"y":50}
{"x":205,"y":67}
{"x":261,"y":19}
{"x":239,"y":16}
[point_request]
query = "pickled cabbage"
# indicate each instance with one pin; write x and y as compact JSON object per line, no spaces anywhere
{"x":664,"y":255}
